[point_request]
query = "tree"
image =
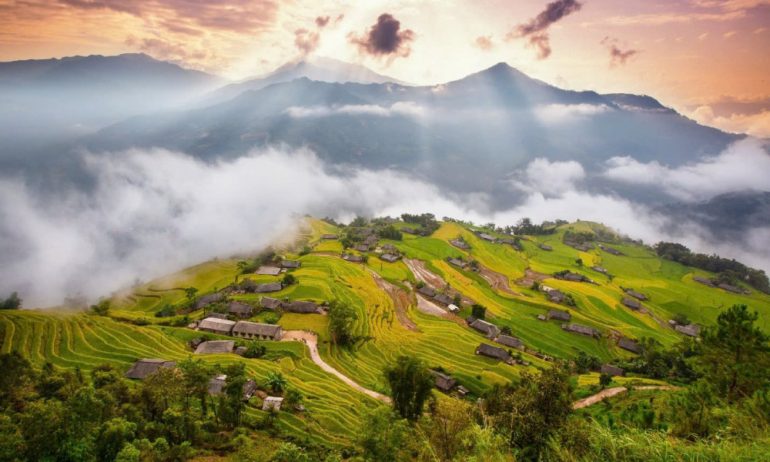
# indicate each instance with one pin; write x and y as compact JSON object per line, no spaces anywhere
{"x":276,"y":382}
{"x":102,"y":308}
{"x":604,"y":380}
{"x":585,"y":362}
{"x":290,"y":452}
{"x":384,"y":436}
{"x":190,"y":293}
{"x":13,"y":302}
{"x":342,"y":318}
{"x":255,"y":350}
{"x":231,"y":403}
{"x":112,"y":435}
{"x":293,"y":398}
{"x":410,"y":385}
{"x":288,"y":280}
{"x":195,"y":381}
{"x":448,"y":424}
{"x":735,"y":354}
{"x":579,"y":262}
{"x":478,"y":311}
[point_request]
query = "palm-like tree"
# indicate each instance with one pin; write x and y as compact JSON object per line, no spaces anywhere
{"x":276,"y":382}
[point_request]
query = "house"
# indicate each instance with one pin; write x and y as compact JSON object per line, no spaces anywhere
{"x":249,"y":388}
{"x":574,"y":277}
{"x":427,"y":291}
{"x":239,"y":309}
{"x":703,"y":281}
{"x":256,"y":330}
{"x":635,"y":294}
{"x":444,"y":382}
{"x":143,"y":368}
{"x":457,"y":262}
{"x":268,"y":270}
{"x":611,"y":370}
{"x":541,"y":317}
{"x":444,"y":299}
{"x":732,"y":288}
{"x":559,"y":315}
{"x":546,"y":288}
{"x":371,"y":241}
{"x":362,"y":248}
{"x":353,"y":258}
{"x":408,"y":230}
{"x":629,"y":345}
{"x":599,"y":269}
{"x":208,"y":300}
{"x":268,"y":287}
{"x":486,"y":328}
{"x":217,"y":387}
{"x":390,"y":248}
{"x":216,"y":325}
{"x":272,"y":403}
{"x":556,"y":296}
{"x":691,"y":330}
{"x":546,"y":247}
{"x":462,"y":391}
{"x":510,"y":341}
{"x":389,"y":257}
{"x":632,"y":303}
{"x":493,"y":352}
{"x":460,"y":244}
{"x":215,"y":347}
{"x":328,"y":237}
{"x":299,"y":306}
{"x":453,"y":308}
{"x":580,"y":329}
{"x":610,"y":250}
{"x":487,"y":237}
{"x":290,"y":264}
{"x":270,"y":303}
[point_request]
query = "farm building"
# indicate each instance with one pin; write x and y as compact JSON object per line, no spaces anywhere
{"x":632,"y":303}
{"x":732,"y":288}
{"x":328,"y":237}
{"x":610,"y":250}
{"x":546,"y":247}
{"x":486,"y":328}
{"x":612,"y":370}
{"x":215,"y":347}
{"x":290,"y":264}
{"x":704,"y":281}
{"x":599,"y":269}
{"x":580,"y":329}
{"x":371,"y":240}
{"x":635,"y":294}
{"x":487,"y":237}
{"x":574,"y":277}
{"x":216,"y":325}
{"x":239,"y":309}
{"x":272,"y":403}
{"x":444,"y":382}
{"x":270,"y":303}
{"x":691,"y":330}
{"x":268,"y":270}
{"x":457,"y":262}
{"x":255,"y":330}
{"x":460,"y":244}
{"x":352,"y":258}
{"x":268,"y":287}
{"x":629,"y":345}
{"x":493,"y":352}
{"x":390,"y":248}
{"x":444,"y":299}
{"x":362,"y":248}
{"x":299,"y":306}
{"x":217,"y":387}
{"x":143,"y":368}
{"x":408,"y":230}
{"x":427,"y":291}
{"x":389,"y":257}
{"x":510,"y":341}
{"x":208,"y":300}
{"x":453,"y":308}
{"x":559,"y":315}
{"x":556,"y":296}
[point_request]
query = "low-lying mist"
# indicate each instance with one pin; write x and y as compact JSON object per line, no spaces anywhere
{"x":154,"y":211}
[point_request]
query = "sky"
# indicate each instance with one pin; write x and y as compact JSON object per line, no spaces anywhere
{"x":710,"y":59}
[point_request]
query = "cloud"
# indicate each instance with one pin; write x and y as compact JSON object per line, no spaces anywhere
{"x":401,"y":108}
{"x":536,"y":30}
{"x":306,"y":41}
{"x":548,"y":178}
{"x":385,"y":38}
{"x":484,"y":42}
{"x":743,"y":166}
{"x":618,"y":56}
{"x":751,"y":118}
{"x":568,"y":113}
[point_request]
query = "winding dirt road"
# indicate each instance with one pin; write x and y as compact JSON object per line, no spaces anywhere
{"x":614,"y":391}
{"x":498,"y":281}
{"x":401,"y":301}
{"x":530,"y":277}
{"x":311,"y":340}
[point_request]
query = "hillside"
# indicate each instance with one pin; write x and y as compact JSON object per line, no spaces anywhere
{"x":392,"y":319}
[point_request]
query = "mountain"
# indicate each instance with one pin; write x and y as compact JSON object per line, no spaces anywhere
{"x":319,"y":69}
{"x":79,"y":94}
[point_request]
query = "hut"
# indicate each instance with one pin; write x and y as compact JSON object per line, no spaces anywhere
{"x":290,"y":264}
{"x":268,"y":270}
{"x":610,"y":250}
{"x":704,"y":281}
{"x":635,"y":294}
{"x":143,"y":368}
{"x":444,"y":299}
{"x":216,"y":325}
{"x":444,"y":382}
{"x":493,"y":352}
{"x":299,"y":306}
{"x":363,"y":248}
{"x":559,"y":315}
{"x":389,"y":257}
{"x":268,"y":287}
{"x":486,"y":328}
{"x":629,"y":345}
{"x":255,"y":330}
{"x":270,"y":303}
{"x":599,"y":269}
{"x":609,"y":369}
{"x":556,"y":296}
{"x":580,"y":329}
{"x":632,"y":303}
{"x":457,"y":262}
{"x":546,"y":247}
{"x":510,"y":341}
{"x":427,"y":291}
{"x":240,"y":310}
{"x":272,"y":403}
{"x":215,"y":347}
{"x":352,"y":258}
{"x":691,"y":330}
{"x":217,"y":387}
{"x":460,"y":244}
{"x":208,"y":300}
{"x":487,"y":237}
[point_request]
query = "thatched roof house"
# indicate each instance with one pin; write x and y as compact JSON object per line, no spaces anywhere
{"x":290,"y":264}
{"x":510,"y":341}
{"x":559,"y":315}
{"x":299,"y":306}
{"x":635,"y":294}
{"x":444,"y":382}
{"x":581,"y":329}
{"x":493,"y":352}
{"x":143,"y":368}
{"x":556,"y":296}
{"x":362,"y":248}
{"x":268,"y":287}
{"x":460,"y":244}
{"x":702,"y":280}
{"x":215,"y":347}
{"x":444,"y":299}
{"x":632,"y":303}
{"x":256,"y":330}
{"x":389,"y":257}
{"x":629,"y":345}
{"x":268,"y":270}
{"x":487,"y":237}
{"x":457,"y":262}
{"x":352,"y":258}
{"x":610,"y":250}
{"x":208,"y":300}
{"x":453,"y":308}
{"x":427,"y":291}
{"x":217,"y":387}
{"x":691,"y":330}
{"x":612,"y":370}
{"x":239,"y":309}
{"x":486,"y":328}
{"x":599,"y":269}
{"x":216,"y":325}
{"x":574,"y":277}
{"x":270,"y":303}
{"x":546,"y":247}
{"x":272,"y":403}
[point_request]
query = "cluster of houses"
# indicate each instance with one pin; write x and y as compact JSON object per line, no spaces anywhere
{"x":582,"y":246}
{"x":568,"y":275}
{"x":388,"y":252}
{"x":447,"y":383}
{"x":493,"y":333}
{"x":610,"y":250}
{"x":721,"y":285}
{"x":566,"y":317}
{"x":502,"y":240}
{"x":439,"y":297}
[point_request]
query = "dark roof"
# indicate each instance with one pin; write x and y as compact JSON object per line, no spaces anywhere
{"x":269,"y":270}
{"x":290,"y":264}
{"x":636,"y":295}
{"x":270,"y":303}
{"x":146,"y":367}
{"x":556,"y":296}
{"x":457,"y":262}
{"x":487,"y":237}
{"x":444,"y":382}
{"x":427,"y":291}
{"x":328,"y":236}
{"x":574,"y":277}
{"x":485,"y":327}
{"x":599,"y":269}
{"x":460,"y":244}
{"x":632,"y":303}
{"x":703,"y":280}
{"x":256,"y":328}
{"x":239,"y":308}
{"x":692,"y":330}
{"x":362,"y":247}
{"x":217,"y":325}
{"x":546,"y":247}
{"x":299,"y":306}
{"x":268,"y":287}
{"x":352,"y":258}
{"x":559,"y":314}
{"x":510,"y":341}
{"x":580,"y":329}
{"x":630,"y":345}
{"x":610,"y":250}
{"x":208,"y":300}
{"x":611,"y":370}
{"x":217,"y":385}
{"x":389,"y":257}
{"x":493,"y":352}
{"x":444,"y":299}
{"x":215,"y":347}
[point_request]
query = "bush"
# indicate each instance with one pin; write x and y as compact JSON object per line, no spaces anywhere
{"x":478,"y":311}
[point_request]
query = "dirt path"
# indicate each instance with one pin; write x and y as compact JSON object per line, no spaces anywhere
{"x":497,"y":280}
{"x":311,"y":341}
{"x":417,"y":267}
{"x":531,"y":277}
{"x":428,"y":307}
{"x":610,"y":392}
{"x":401,"y":301}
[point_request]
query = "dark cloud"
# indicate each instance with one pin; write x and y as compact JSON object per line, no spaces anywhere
{"x":322,"y":21}
{"x":385,"y":38}
{"x":618,"y":56}
{"x":536,"y":30}
{"x":306,"y":41}
{"x":484,"y":42}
